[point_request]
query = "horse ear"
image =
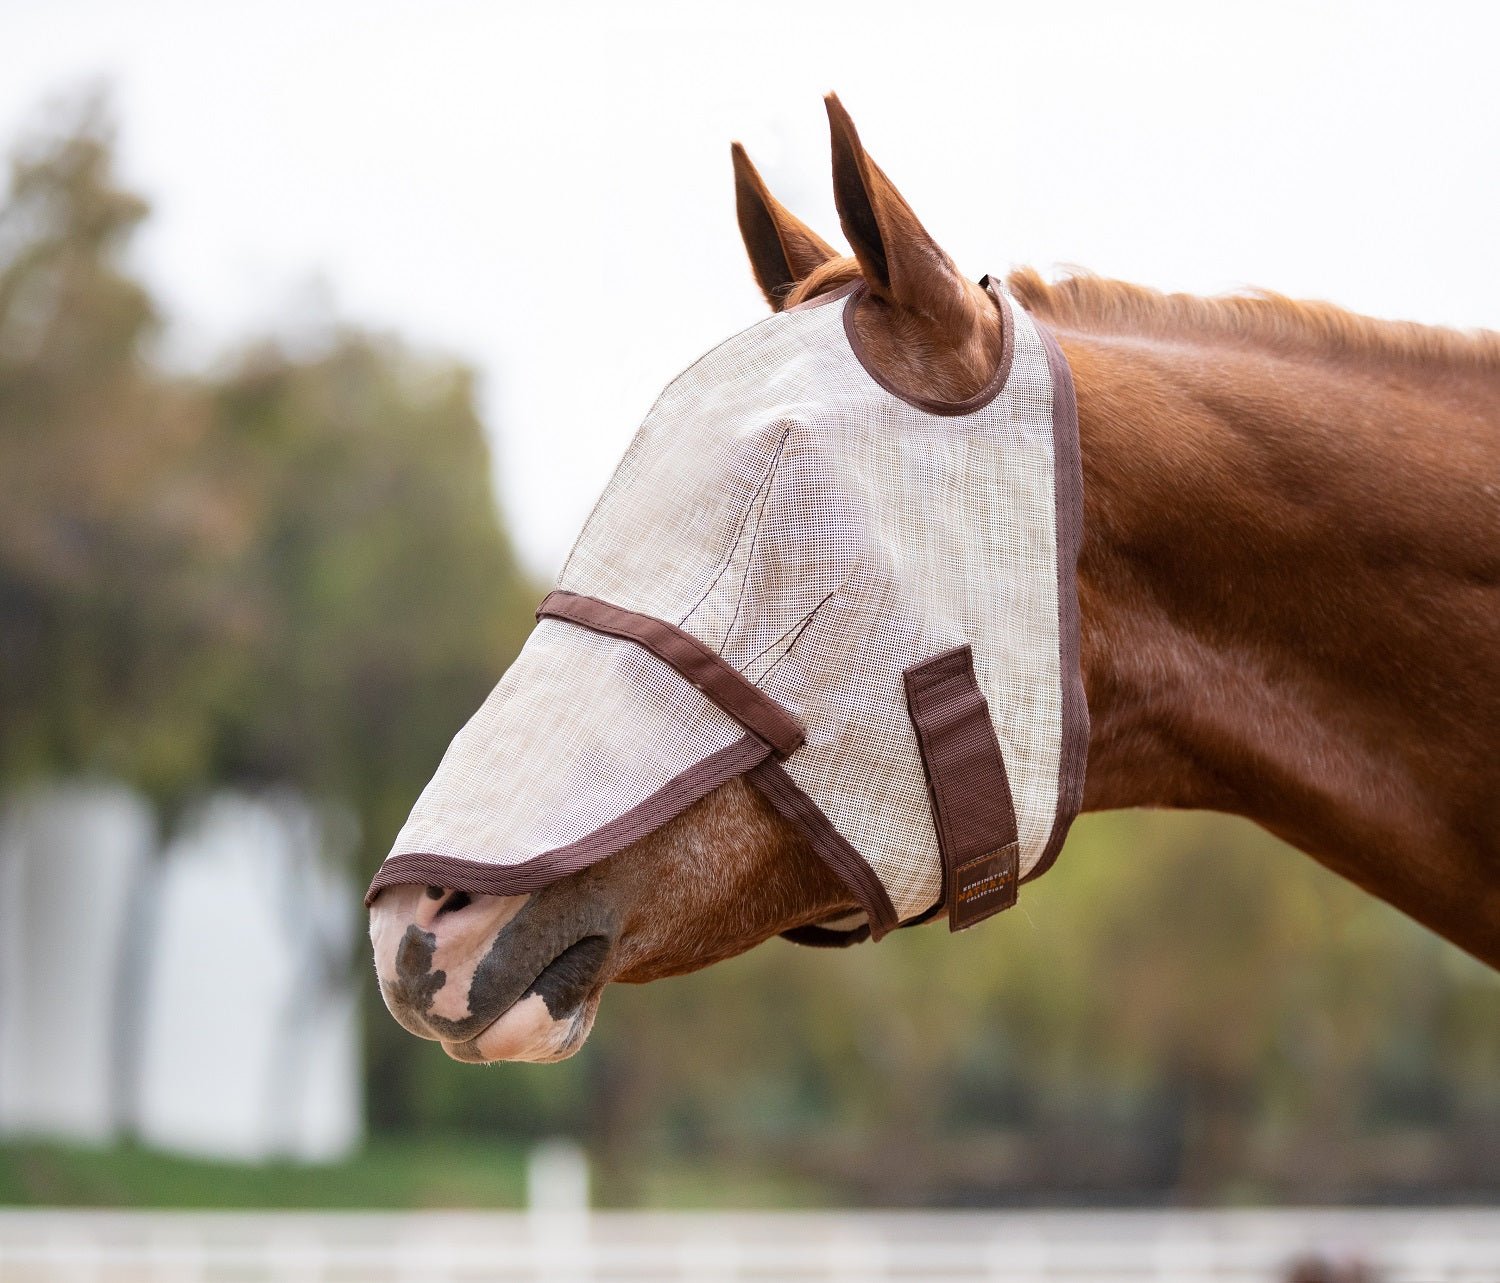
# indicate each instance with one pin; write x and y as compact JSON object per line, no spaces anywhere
{"x":783,"y":249}
{"x":901,"y":263}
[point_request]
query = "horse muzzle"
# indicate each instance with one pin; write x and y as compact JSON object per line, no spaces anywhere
{"x":490,"y":977}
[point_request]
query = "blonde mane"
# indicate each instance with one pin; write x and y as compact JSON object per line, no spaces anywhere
{"x":1271,"y":320}
{"x":1097,"y":304}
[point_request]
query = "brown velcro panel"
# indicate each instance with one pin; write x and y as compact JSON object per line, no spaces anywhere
{"x":971,"y":802}
{"x":709,"y":671}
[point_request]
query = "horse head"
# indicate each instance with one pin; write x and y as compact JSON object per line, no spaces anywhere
{"x":707,"y":853}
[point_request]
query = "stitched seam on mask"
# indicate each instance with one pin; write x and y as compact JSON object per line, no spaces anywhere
{"x":801,"y":629}
{"x":762,"y":493}
{"x":770,"y":483}
{"x":795,"y":627}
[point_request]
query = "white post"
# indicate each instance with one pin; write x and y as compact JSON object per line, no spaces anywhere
{"x":557,"y":1204}
{"x":557,"y":1179}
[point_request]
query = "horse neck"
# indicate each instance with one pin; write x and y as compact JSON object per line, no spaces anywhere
{"x":1289,"y":594}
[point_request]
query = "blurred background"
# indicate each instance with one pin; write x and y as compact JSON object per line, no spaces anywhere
{"x":287,"y":296}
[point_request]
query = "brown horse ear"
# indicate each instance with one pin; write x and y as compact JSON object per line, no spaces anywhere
{"x":899,"y":260}
{"x":783,"y":249}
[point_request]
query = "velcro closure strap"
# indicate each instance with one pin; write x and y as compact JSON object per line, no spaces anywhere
{"x":706,"y":669}
{"x":971,"y":803}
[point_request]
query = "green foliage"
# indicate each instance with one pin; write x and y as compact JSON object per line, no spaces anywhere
{"x":396,"y":1174}
{"x":107,"y":528}
{"x":381,"y":597}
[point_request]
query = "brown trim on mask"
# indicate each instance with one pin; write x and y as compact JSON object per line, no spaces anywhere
{"x":709,"y":671}
{"x":968,"y":787}
{"x":1067,"y":483}
{"x":793,"y":805}
{"x":969,"y":405}
{"x":479,"y":877}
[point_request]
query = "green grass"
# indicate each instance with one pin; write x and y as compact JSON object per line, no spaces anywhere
{"x":384,"y":1174}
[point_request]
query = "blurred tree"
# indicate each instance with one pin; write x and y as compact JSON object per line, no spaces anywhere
{"x":384,"y":599}
{"x":294,"y":573}
{"x":113,"y":538}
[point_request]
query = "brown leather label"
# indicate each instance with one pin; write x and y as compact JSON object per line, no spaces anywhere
{"x":984,"y":886}
{"x":972,"y":809}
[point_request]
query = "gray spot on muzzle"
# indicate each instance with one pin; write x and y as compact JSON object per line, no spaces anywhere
{"x":416,"y":984}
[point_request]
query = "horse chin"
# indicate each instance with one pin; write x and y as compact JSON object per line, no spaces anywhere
{"x":528,"y":1031}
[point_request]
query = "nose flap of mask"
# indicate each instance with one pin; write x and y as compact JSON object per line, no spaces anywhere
{"x":588,"y":743}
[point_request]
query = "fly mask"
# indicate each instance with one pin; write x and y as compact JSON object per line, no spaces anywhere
{"x":861,"y":600}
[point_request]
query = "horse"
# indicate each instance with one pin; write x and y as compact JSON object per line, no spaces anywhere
{"x":1289,"y":610}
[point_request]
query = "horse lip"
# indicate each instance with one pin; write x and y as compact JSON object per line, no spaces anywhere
{"x":577,"y":990}
{"x":570,"y":978}
{"x":468,"y":1051}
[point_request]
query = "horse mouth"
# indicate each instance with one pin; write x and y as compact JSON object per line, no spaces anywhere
{"x":566,"y":993}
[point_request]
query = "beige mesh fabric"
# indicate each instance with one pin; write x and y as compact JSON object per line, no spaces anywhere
{"x":822,"y":535}
{"x":580,"y":729}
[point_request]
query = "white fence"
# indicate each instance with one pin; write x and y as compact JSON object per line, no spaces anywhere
{"x":1398,"y":1246}
{"x":196,"y":994}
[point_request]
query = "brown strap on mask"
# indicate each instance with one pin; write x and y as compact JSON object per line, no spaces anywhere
{"x":709,"y":671}
{"x":971,"y":802}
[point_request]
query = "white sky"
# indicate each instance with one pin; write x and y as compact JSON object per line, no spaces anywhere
{"x":545,"y":190}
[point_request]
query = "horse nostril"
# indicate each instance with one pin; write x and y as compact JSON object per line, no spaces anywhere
{"x":455,"y":901}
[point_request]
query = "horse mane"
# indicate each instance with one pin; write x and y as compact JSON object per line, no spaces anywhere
{"x":1095,"y":303}
{"x":825,"y":277}
{"x":1258,"y":316}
